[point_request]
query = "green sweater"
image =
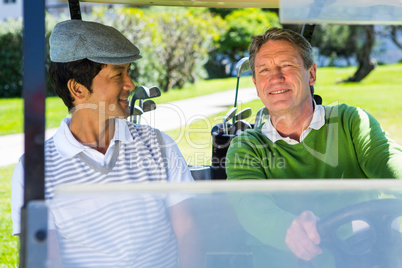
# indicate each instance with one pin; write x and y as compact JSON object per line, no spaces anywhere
{"x":351,"y":144}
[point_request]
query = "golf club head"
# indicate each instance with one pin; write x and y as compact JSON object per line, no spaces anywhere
{"x":141,"y":92}
{"x":154,"y":92}
{"x":243,"y":114}
{"x":136,"y":111}
{"x":241,"y":126}
{"x":218,"y":129}
{"x":260,"y":116}
{"x":229,"y":115}
{"x":148,"y":105}
{"x":242,"y":66}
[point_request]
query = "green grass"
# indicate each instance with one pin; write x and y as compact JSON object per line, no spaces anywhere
{"x":12,"y":114}
{"x":203,"y":88}
{"x":380,"y":94}
{"x":8,"y":243}
{"x":12,"y":110}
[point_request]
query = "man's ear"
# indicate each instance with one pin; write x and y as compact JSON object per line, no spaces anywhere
{"x":77,"y":90}
{"x":313,"y":74}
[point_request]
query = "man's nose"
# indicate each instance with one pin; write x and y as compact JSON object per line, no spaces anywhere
{"x":277,"y":75}
{"x":129,"y":84}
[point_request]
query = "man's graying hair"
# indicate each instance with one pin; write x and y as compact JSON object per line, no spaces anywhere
{"x":275,"y":34}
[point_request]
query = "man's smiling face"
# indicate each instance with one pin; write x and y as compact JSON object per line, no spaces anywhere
{"x":282,"y":81}
{"x":111,"y":88}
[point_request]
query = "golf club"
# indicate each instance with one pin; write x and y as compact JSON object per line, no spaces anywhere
{"x":227,"y":117}
{"x":243,"y":114}
{"x":241,"y":126}
{"x":147,"y":106}
{"x":151,"y":92}
{"x":260,"y":116}
{"x":137,"y":111}
{"x":138,"y":93}
{"x":242,"y":66}
{"x":143,"y":92}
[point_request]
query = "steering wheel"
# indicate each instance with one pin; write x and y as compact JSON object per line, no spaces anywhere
{"x":377,"y":245}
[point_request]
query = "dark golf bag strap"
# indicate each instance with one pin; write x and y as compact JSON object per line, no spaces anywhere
{"x":163,"y":149}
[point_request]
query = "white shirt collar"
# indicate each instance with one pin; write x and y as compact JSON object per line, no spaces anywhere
{"x":68,"y":146}
{"x":316,"y":123}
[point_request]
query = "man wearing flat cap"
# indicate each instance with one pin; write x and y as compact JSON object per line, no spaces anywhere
{"x":90,"y":66}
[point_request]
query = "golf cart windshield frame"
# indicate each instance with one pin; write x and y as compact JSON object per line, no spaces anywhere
{"x":34,"y":88}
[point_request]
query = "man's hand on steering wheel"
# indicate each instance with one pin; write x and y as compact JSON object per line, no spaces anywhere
{"x":302,"y":237}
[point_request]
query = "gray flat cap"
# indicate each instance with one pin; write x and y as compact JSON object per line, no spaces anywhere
{"x":76,"y":40}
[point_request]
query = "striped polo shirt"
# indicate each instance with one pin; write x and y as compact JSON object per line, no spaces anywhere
{"x":123,"y":230}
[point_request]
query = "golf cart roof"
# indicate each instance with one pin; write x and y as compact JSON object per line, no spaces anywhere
{"x":298,"y":11}
{"x":196,"y":3}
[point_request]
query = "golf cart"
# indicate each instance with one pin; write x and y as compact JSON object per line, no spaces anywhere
{"x":372,"y":235}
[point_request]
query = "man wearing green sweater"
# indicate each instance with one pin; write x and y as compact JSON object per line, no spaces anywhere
{"x":300,"y":140}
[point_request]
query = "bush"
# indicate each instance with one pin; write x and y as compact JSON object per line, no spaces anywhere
{"x":11,"y":59}
{"x":185,"y":39}
{"x":242,"y":23}
{"x":174,"y":42}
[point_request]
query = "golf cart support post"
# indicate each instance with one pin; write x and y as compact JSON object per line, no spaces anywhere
{"x":33,"y":247}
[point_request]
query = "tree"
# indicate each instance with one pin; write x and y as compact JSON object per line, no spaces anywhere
{"x":335,"y":41}
{"x":345,"y":41}
{"x":395,"y":33}
{"x":363,"y":55}
{"x":11,"y":57}
{"x":174,"y":42}
{"x":186,"y":39}
{"x":133,"y":24}
{"x":243,"y":23}
{"x":11,"y":64}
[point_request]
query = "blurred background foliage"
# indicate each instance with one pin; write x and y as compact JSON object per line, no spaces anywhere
{"x":244,"y":23}
{"x":10,"y":59}
{"x":184,"y":45}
